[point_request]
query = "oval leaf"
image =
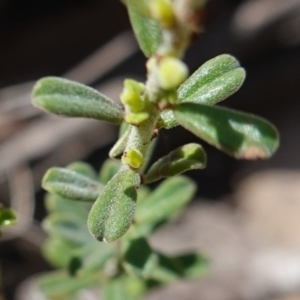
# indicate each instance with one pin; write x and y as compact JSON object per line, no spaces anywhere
{"x":112,"y":213}
{"x":166,"y":201}
{"x":71,"y":185}
{"x":213,"y":82}
{"x":182,"y":159}
{"x":146,"y":30}
{"x":67,"y":227}
{"x":207,"y":73}
{"x":238,"y":134}
{"x":72,"y":99}
{"x":83,"y":168}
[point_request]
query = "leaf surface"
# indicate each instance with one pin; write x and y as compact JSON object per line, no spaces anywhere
{"x":71,"y":185}
{"x":147,"y":30}
{"x":72,"y":99}
{"x":182,"y":159}
{"x":166,"y":201}
{"x":240,"y":135}
{"x":112,"y":213}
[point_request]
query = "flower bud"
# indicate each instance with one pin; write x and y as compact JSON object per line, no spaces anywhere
{"x":131,"y":95}
{"x":133,"y":158}
{"x":136,"y":118}
{"x":171,"y":73}
{"x":162,"y":11}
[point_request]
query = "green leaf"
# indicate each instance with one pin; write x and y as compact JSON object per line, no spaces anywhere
{"x":71,"y":185}
{"x":95,"y":257}
{"x":214,"y":69}
{"x":7,"y":217}
{"x":67,"y":227}
{"x":182,"y":159}
{"x":187,"y":266}
{"x":238,"y":134}
{"x":112,"y":213}
{"x":59,"y":285}
{"x":72,"y":99}
{"x":124,"y":288}
{"x":115,"y":289}
{"x":139,"y":259}
{"x":56,"y":204}
{"x":84,"y":169}
{"x":53,"y":248}
{"x":213,"y":82}
{"x":149,"y":154}
{"x":166,"y":201}
{"x":147,"y":30}
{"x":108,"y":170}
{"x":119,"y":147}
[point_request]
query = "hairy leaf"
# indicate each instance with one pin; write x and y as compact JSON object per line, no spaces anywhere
{"x":68,"y":98}
{"x":112,"y":213}
{"x":213,"y":82}
{"x":166,"y":201}
{"x":147,"y":30}
{"x":71,"y":185}
{"x":223,"y":66}
{"x":238,"y":134}
{"x":84,"y":169}
{"x":182,"y":159}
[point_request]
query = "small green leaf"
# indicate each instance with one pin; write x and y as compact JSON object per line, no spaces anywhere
{"x":112,"y":213}
{"x":139,"y":259}
{"x":7,"y":217}
{"x":119,"y":147}
{"x":147,"y":30}
{"x":213,"y":82}
{"x":72,"y":99}
{"x":108,"y":170}
{"x":182,"y":159}
{"x":209,"y":72}
{"x":238,"y":134}
{"x":84,"y":169}
{"x":187,"y":266}
{"x":71,"y":185}
{"x":166,"y":201}
{"x":67,"y":227}
{"x":54,"y":247}
{"x":59,"y":285}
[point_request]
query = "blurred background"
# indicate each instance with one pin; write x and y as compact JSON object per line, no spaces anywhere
{"x":247,"y":213}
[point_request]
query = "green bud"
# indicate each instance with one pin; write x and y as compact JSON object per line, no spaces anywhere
{"x":131,"y":95}
{"x":171,"y":73}
{"x":133,"y":158}
{"x":136,"y":118}
{"x":162,"y":11}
